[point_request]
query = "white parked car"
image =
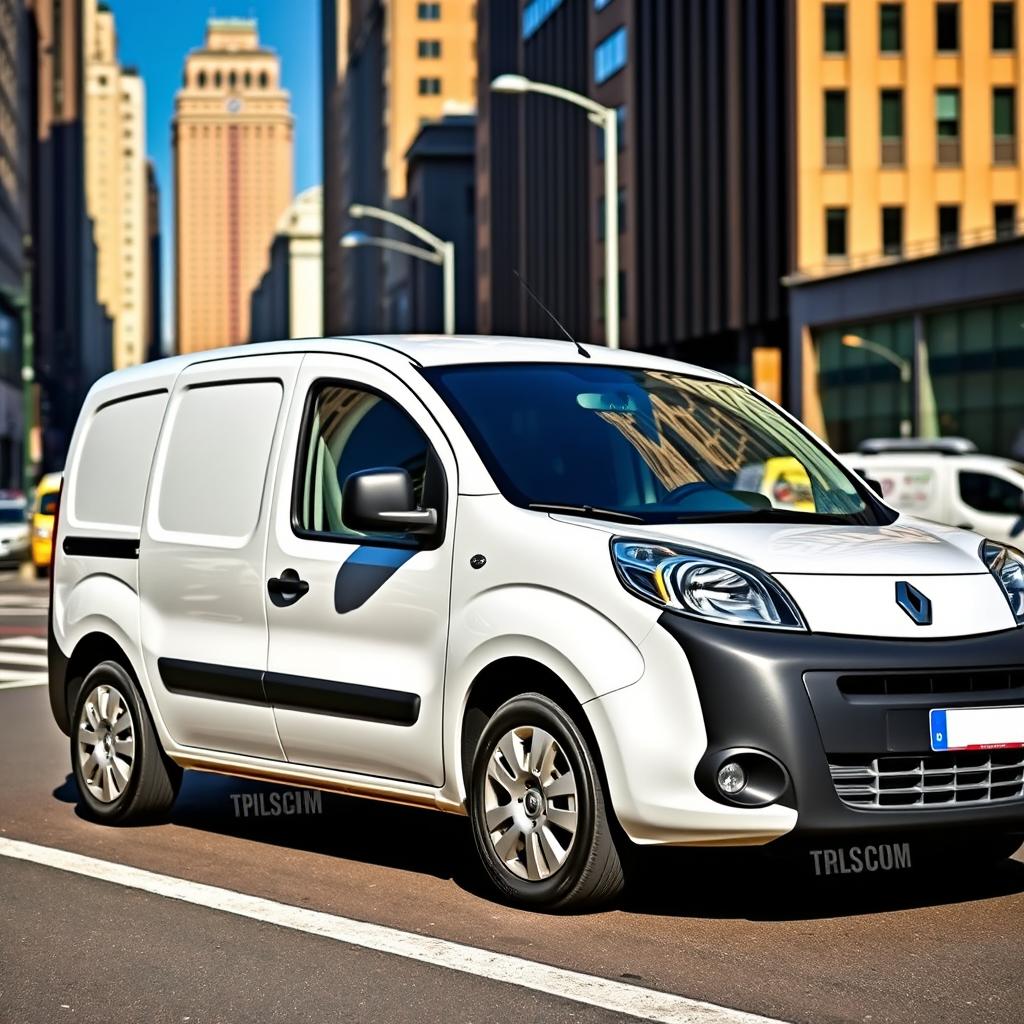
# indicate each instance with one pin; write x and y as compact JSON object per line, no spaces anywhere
{"x":537,"y":585}
{"x":14,"y":531}
{"x":947,"y":481}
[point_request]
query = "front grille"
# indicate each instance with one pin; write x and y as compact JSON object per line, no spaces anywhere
{"x":892,"y":684}
{"x":899,"y":781}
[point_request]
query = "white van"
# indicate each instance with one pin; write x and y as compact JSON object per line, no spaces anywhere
{"x":947,"y":481}
{"x":533,"y":584}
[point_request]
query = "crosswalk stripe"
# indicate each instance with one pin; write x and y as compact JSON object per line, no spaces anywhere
{"x":17,"y":684}
{"x":9,"y":658}
{"x":27,"y":643}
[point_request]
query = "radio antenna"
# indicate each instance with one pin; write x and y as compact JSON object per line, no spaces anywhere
{"x":536,"y":298}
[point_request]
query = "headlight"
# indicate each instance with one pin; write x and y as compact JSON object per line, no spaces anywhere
{"x":709,"y":588}
{"x":1007,"y":565}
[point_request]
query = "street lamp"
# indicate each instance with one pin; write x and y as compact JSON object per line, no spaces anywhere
{"x":904,"y":366}
{"x":440,"y":252}
{"x":605,"y":118}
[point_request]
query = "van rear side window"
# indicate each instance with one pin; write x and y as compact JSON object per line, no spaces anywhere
{"x":112,"y":471}
{"x":217,"y":456}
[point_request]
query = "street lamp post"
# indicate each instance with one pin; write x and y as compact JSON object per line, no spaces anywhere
{"x":440,"y":252}
{"x":606,"y":119}
{"x":905,"y":368}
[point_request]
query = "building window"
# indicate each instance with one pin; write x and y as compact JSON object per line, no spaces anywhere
{"x":892,"y":127}
{"x":835,"y":128}
{"x":835,"y":232}
{"x":428,"y":12}
{"x":1002,"y":27}
{"x":248,"y":79}
{"x":1005,"y":216}
{"x":218,"y":79}
{"x":949,"y":227}
{"x":201,"y":79}
{"x":232,"y":79}
{"x":429,"y":48}
{"x":891,"y":28}
{"x":430,"y":86}
{"x":947,"y":126}
{"x":1004,"y":133}
{"x":835,"y":28}
{"x":892,"y":230}
{"x":536,"y":13}
{"x":264,"y":80}
{"x":610,"y":55}
{"x":947,"y":27}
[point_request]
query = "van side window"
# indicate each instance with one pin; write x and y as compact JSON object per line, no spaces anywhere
{"x":112,"y":471}
{"x":216,"y":463}
{"x":986,"y":493}
{"x":349,"y":429}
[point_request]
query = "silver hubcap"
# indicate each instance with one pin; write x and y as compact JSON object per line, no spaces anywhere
{"x":530,"y":803}
{"x":106,"y":743}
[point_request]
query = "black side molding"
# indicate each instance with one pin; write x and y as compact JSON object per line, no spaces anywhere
{"x":349,"y":700}
{"x":198,"y":679}
{"x":302,"y":693}
{"x":102,"y":547}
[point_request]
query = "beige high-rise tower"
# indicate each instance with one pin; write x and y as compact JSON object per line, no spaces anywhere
{"x":233,"y":180}
{"x":115,"y":165}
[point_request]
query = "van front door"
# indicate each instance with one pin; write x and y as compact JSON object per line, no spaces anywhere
{"x":358,"y":623}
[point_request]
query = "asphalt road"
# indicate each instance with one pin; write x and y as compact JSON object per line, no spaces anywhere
{"x":738,"y":931}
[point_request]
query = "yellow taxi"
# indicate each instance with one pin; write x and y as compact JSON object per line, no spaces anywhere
{"x":43,"y":509}
{"x":787,"y":484}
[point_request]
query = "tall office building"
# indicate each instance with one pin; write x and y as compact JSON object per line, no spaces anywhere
{"x":73,"y":333}
{"x":334,"y":57}
{"x":115,"y":159}
{"x":704,"y":193}
{"x":154,"y":301}
{"x":406,"y":63}
{"x":15,"y":121}
{"x":910,"y":198}
{"x":233,"y":180}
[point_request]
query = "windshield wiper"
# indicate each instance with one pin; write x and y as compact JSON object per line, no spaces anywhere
{"x":586,"y":510}
{"x":764,"y":515}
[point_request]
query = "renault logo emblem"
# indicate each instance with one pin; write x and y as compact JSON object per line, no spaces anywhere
{"x":914,"y":603}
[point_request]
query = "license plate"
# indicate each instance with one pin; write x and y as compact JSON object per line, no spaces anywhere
{"x":977,"y":728}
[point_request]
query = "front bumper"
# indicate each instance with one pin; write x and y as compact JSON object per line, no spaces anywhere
{"x":780,"y":693}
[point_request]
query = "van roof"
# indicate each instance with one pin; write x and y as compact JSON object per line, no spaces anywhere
{"x":422,"y":350}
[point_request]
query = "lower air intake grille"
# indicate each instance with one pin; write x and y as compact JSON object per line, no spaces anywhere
{"x":932,"y":780}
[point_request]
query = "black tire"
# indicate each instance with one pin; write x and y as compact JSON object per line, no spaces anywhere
{"x":591,"y":873}
{"x":153,"y":779}
{"x":42,"y":572}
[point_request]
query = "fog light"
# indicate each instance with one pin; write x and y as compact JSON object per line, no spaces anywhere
{"x":731,"y":778}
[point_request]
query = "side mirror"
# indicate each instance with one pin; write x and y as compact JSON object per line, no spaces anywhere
{"x":875,"y":485}
{"x":382,"y":501}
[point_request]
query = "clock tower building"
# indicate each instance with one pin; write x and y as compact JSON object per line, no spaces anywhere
{"x":232,"y":133}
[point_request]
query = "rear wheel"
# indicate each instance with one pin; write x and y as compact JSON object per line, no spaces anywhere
{"x":122,"y":773}
{"x":538,"y":813}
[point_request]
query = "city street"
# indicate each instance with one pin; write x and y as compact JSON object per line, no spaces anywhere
{"x":730,"y":930}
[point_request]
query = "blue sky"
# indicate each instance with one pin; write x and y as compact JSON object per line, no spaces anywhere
{"x":155,"y":35}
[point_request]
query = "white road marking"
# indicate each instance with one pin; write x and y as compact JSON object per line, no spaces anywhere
{"x":37,"y":643}
{"x":604,"y":993}
{"x":10,"y":657}
{"x":22,"y":681}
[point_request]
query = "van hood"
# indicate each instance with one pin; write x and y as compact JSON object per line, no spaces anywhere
{"x":847,"y":580}
{"x":909,"y":546}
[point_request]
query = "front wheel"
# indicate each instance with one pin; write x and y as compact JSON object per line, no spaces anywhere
{"x":537,"y":808}
{"x":122,"y":773}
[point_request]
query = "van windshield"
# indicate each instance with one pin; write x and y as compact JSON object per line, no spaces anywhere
{"x":646,"y":445}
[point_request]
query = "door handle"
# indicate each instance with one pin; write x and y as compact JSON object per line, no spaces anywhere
{"x":287,"y":586}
